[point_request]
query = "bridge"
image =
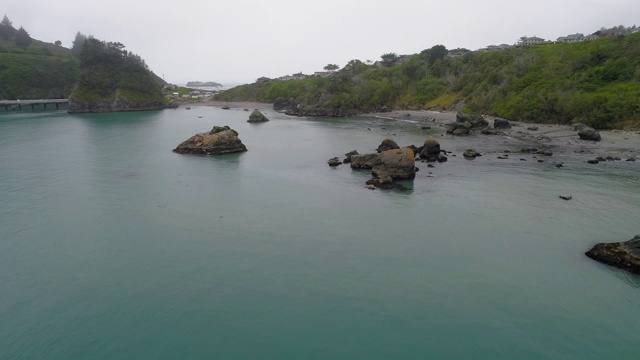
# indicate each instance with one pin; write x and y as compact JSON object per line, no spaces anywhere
{"x":19,"y":104}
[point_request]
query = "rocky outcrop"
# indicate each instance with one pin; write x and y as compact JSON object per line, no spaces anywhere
{"x":476,"y":121}
{"x":458,"y":128}
{"x":623,"y":255}
{"x":396,"y":164}
{"x":257,"y":116}
{"x":387,"y":144}
{"x":335,"y":161}
{"x":500,"y":123}
{"x":588,"y":133}
{"x":430,"y":150}
{"x":347,"y":156}
{"x":364,"y":161}
{"x":220,"y":140}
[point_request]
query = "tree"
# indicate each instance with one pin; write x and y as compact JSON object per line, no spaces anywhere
{"x":331,"y":67}
{"x":435,"y":53}
{"x":389,"y":59}
{"x":58,"y":43}
{"x":22,"y":37}
{"x":76,"y":45}
{"x":7,"y":31}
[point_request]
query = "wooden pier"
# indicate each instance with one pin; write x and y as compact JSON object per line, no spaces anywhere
{"x":32,"y":104}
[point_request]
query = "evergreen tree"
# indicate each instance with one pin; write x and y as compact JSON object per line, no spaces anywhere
{"x":76,"y":45}
{"x":7,"y":31}
{"x":22,"y":37}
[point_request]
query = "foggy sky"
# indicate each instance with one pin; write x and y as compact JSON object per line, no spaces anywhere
{"x":237,"y":41}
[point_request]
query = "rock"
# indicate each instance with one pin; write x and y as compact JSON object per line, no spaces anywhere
{"x":623,"y":255}
{"x":334,"y":162}
{"x":441,"y":158}
{"x":385,"y":182}
{"x":532,"y":128}
{"x":364,"y":161}
{"x":430,"y":149}
{"x":488,"y":131}
{"x":470,"y":154}
{"x":225,"y":108}
{"x":257,"y":116}
{"x":593,"y":161}
{"x":348,"y":156}
{"x":371,"y":187}
{"x":476,"y":121}
{"x":500,"y":123}
{"x":395,"y":163}
{"x":220,"y":140}
{"x":589,"y":134}
{"x":566,"y":197}
{"x":631,"y":159}
{"x":388,"y":144}
{"x":559,"y":165}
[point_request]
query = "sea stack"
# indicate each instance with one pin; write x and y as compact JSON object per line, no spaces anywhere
{"x":220,"y":140}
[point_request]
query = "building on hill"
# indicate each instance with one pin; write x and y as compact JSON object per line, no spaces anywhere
{"x":571,"y":38}
{"x":457,"y":52}
{"x":263,"y":79}
{"x":533,"y":40}
{"x":495,"y":47}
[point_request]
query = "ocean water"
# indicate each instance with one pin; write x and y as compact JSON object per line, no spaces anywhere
{"x":114,"y":247}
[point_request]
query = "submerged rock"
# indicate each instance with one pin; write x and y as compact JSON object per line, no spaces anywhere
{"x":257,"y":116}
{"x":623,"y":255}
{"x":220,"y":140}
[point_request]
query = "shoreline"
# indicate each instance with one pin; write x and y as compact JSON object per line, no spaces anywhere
{"x":556,"y":137}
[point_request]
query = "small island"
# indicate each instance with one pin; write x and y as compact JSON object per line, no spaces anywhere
{"x":203,"y":84}
{"x":220,"y":140}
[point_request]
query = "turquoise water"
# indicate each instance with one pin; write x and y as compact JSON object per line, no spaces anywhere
{"x":113,"y":247}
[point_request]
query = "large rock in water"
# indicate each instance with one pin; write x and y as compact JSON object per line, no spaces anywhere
{"x":257,"y":116}
{"x":430,"y":149}
{"x":476,"y":121}
{"x":364,"y":161}
{"x":387,"y":144}
{"x":588,"y":133}
{"x":624,"y":255}
{"x":220,"y":140}
{"x":500,"y":123}
{"x":395,"y":163}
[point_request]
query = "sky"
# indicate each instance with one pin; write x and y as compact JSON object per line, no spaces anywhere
{"x":238,"y":41}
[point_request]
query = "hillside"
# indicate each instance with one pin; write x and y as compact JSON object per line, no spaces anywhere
{"x":36,"y":71}
{"x":113,"y":79}
{"x":596,"y":82}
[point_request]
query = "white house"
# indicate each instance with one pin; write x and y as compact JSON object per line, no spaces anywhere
{"x":533,"y":40}
{"x":571,"y":38}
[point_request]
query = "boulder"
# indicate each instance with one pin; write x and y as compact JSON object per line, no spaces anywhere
{"x":364,"y":161}
{"x":220,"y":140}
{"x":488,"y":131}
{"x":395,"y":163}
{"x":532,"y":128}
{"x":470,"y":154}
{"x":388,"y":144}
{"x":430,"y":149}
{"x":500,"y":123}
{"x":623,"y":255}
{"x":476,"y":121}
{"x":334,"y":162}
{"x":257,"y":116}
{"x":588,"y":133}
{"x":348,"y":156}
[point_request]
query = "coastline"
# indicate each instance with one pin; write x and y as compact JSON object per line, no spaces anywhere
{"x":561,"y":139}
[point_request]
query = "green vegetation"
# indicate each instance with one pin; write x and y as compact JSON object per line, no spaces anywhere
{"x":596,"y":82}
{"x":113,"y":79}
{"x":32,"y":69}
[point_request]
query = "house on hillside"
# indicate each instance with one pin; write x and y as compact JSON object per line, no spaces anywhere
{"x":533,"y":40}
{"x":496,"y":47}
{"x":323,"y":73}
{"x":571,"y":38}
{"x":457,"y":52}
{"x":263,"y":79}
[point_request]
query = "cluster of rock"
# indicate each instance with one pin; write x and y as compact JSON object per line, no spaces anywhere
{"x":391,"y":162}
{"x":600,"y":159}
{"x":465,"y":123}
{"x":624,"y":255}
{"x":220,"y":140}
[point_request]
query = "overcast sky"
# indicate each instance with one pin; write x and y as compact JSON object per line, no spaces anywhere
{"x":237,"y":41}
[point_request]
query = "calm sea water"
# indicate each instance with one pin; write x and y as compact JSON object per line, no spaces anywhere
{"x":113,"y":247}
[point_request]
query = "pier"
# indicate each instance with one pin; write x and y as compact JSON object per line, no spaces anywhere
{"x":32,"y":104}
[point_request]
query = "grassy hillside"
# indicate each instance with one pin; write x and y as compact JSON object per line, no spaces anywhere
{"x":37,"y":71}
{"x":596,"y":82}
